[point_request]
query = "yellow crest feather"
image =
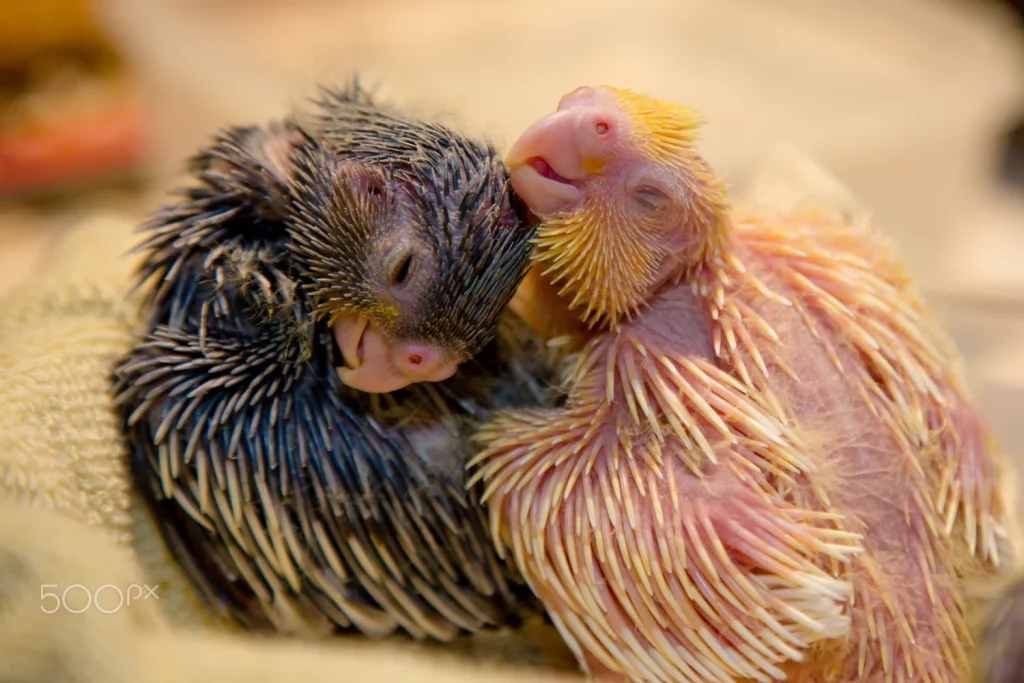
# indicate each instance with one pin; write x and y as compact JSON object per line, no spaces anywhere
{"x":663,"y":130}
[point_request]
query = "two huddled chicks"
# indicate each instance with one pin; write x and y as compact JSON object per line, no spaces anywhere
{"x":329,"y":328}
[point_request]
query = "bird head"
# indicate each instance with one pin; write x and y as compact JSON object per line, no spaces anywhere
{"x":410,"y":240}
{"x":625,"y":202}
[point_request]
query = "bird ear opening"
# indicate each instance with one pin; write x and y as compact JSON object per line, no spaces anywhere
{"x":269,"y":149}
{"x":315,"y":171}
{"x":363,"y":179}
{"x":275,"y":150}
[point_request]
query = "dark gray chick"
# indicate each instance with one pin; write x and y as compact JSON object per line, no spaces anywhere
{"x":296,"y":501}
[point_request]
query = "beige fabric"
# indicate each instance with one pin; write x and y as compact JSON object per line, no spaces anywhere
{"x":135,"y":644}
{"x":59,"y":443}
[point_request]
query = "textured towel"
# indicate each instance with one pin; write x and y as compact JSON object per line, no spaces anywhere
{"x":59,"y":444}
{"x":41,"y":643}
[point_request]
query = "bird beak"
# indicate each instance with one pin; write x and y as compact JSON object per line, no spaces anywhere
{"x":348,"y":331}
{"x":545,"y":161}
{"x":379,"y":365}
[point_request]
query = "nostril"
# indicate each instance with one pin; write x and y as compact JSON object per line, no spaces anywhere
{"x":417,"y":361}
{"x":424,"y":363}
{"x":600,"y":123}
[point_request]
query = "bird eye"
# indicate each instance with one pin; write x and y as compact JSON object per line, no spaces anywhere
{"x":601,"y":128}
{"x":649,"y":197}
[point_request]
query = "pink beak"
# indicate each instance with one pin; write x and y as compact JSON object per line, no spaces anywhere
{"x":551,"y":160}
{"x":544,"y":162}
{"x":378,"y":366}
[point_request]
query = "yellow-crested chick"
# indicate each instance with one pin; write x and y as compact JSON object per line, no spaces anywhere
{"x":767,"y":466}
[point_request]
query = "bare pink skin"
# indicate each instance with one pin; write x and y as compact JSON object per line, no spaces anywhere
{"x":377,"y":365}
{"x":870,"y":478}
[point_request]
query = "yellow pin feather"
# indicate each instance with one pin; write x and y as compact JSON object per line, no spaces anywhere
{"x":664,"y":130}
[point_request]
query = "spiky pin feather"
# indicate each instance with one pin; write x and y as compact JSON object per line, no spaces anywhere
{"x":767,"y":466}
{"x":294,"y":501}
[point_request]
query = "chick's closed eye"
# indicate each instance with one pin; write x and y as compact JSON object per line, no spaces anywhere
{"x":401,"y":267}
{"x":406,"y":265}
{"x":649,"y":196}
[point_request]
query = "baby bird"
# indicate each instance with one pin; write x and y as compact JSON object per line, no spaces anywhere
{"x":767,"y":466}
{"x":293,"y":410}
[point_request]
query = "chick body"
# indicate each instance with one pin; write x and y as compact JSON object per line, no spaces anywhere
{"x":768,"y":466}
{"x":296,"y":502}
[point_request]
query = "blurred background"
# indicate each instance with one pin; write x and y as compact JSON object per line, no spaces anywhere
{"x":916,"y":105}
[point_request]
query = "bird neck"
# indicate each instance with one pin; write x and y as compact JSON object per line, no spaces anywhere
{"x":547,"y":313}
{"x":700,"y":262}
{"x":598,"y":268}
